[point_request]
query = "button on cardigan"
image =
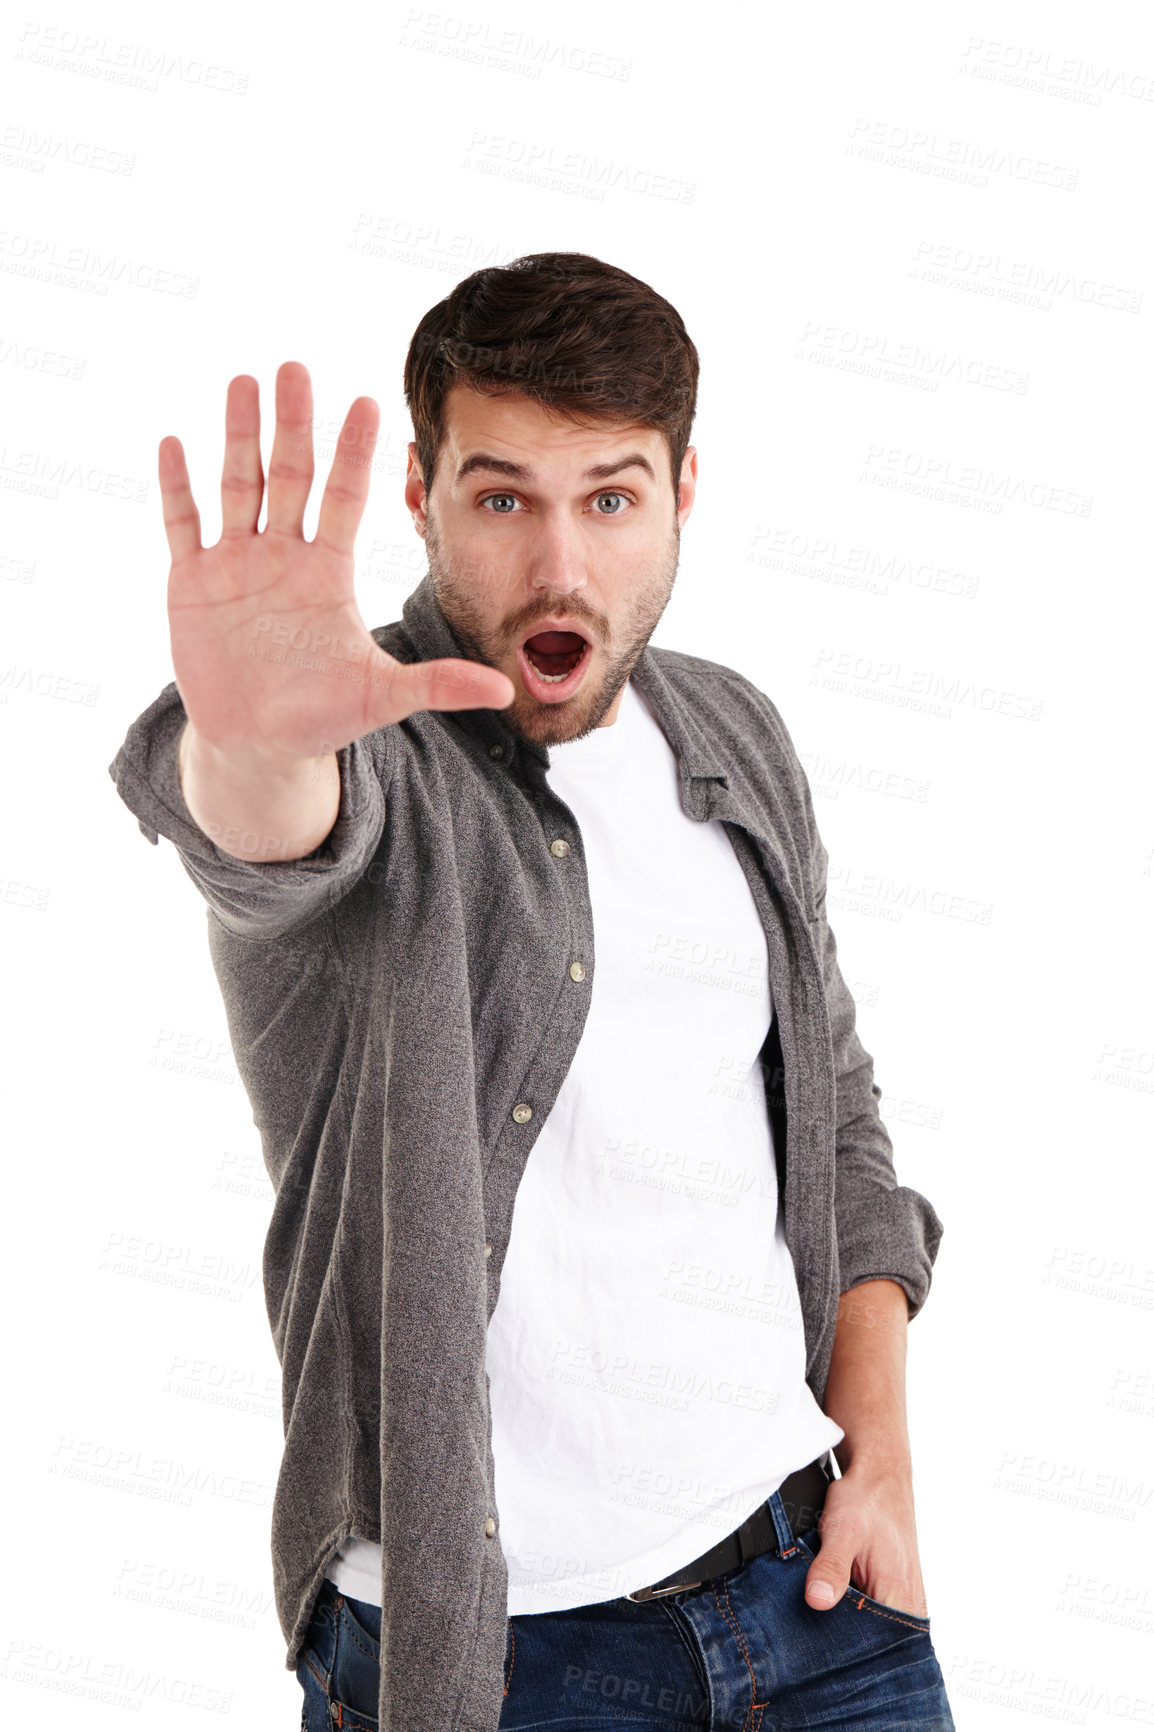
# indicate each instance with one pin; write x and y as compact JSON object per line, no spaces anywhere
{"x":403,"y":1009}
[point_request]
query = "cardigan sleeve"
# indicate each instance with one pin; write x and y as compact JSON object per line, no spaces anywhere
{"x":252,"y":899}
{"x":883,"y":1229}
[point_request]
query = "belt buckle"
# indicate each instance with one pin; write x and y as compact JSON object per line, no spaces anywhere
{"x":642,"y":1594}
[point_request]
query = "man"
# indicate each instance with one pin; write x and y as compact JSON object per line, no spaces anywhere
{"x":587,"y":1245}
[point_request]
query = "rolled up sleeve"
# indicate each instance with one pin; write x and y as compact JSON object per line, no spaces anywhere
{"x":253,"y":899}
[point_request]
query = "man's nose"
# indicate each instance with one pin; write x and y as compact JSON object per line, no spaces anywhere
{"x":558,"y":559}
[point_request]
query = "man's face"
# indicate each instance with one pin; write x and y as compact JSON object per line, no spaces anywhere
{"x":552,"y":552}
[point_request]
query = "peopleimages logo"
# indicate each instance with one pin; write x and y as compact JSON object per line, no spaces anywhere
{"x":544,"y":164}
{"x":852,"y":565}
{"x":26,"y":147}
{"x":45,"y":257}
{"x":129,"y":63}
{"x":505,"y":50}
{"x":960,"y":159}
{"x":882,"y":680}
{"x":891,"y":465}
{"x":877,"y":355}
{"x":1023,"y":281}
{"x":1070,"y":75}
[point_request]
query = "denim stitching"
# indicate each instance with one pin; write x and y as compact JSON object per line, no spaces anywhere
{"x":326,"y":1683}
{"x":864,"y":1604}
{"x":731,"y":1617}
{"x":512,"y":1655}
{"x":350,"y":1631}
{"x":687,"y":1636}
{"x":322,"y":1681}
{"x":864,"y":1601}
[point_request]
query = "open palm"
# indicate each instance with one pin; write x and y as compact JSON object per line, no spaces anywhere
{"x":269,"y":649}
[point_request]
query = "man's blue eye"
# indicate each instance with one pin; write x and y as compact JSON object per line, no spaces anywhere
{"x":505,"y":504}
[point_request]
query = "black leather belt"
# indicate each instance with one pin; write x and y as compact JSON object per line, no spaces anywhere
{"x":802,"y":1494}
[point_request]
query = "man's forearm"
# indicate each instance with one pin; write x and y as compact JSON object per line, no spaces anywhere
{"x":865,"y":1392}
{"x":868,"y":1536}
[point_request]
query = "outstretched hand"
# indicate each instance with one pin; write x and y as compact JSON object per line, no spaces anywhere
{"x":269,"y":649}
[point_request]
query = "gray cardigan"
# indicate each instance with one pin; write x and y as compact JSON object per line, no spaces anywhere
{"x":396,"y":1001}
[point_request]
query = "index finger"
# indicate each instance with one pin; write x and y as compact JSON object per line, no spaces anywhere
{"x":347,"y":488}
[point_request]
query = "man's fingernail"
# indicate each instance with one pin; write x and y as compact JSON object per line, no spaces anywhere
{"x":823,"y":1591}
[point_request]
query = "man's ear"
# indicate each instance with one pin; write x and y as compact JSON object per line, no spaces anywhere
{"x":687,"y":491}
{"x":416,"y":495}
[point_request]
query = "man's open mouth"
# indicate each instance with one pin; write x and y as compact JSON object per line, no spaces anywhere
{"x":553,"y":663}
{"x":555,"y":653}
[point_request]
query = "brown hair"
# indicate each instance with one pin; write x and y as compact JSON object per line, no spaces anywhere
{"x":581,"y":337}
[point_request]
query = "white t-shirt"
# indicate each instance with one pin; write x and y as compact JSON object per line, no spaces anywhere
{"x":646,"y":1356}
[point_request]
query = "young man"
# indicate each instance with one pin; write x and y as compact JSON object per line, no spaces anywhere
{"x":587,"y":1247}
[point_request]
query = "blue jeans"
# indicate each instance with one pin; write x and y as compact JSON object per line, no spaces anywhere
{"x":743,"y":1653}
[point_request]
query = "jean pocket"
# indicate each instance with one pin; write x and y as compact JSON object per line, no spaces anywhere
{"x":809,"y":1544}
{"x":355,"y":1680}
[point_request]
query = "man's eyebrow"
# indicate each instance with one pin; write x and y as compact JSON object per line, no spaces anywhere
{"x":482,"y":460}
{"x":602,"y":471}
{"x":496,"y":465}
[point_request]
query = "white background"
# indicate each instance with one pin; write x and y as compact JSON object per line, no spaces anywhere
{"x":913,"y":247}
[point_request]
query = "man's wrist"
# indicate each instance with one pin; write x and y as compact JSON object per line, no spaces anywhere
{"x":876,"y":1458}
{"x":241,"y":764}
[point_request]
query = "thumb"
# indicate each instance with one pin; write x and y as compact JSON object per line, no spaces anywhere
{"x":824,"y":1585}
{"x":446,"y":683}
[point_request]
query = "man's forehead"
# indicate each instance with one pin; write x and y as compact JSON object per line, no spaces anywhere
{"x":511,"y":423}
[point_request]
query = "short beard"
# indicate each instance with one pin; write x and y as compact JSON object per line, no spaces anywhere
{"x":555,"y":724}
